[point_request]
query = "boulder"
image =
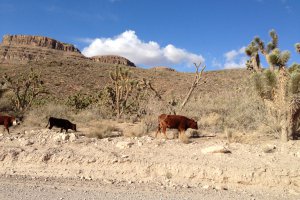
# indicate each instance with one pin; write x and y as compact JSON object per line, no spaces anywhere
{"x":215,"y":149}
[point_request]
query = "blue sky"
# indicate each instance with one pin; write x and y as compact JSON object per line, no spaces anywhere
{"x":158,"y":32}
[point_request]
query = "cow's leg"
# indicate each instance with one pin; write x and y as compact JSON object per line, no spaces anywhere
{"x":6,"y":127}
{"x":61,"y":130}
{"x":164,"y":131}
{"x":158,"y":130}
{"x":181,"y":131}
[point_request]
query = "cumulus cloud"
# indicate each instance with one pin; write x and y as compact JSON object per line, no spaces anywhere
{"x":235,"y":59}
{"x":216,"y":63}
{"x":149,"y":53}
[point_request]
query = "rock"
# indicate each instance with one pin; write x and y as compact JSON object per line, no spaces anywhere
{"x":108,"y":181}
{"x":107,"y":139}
{"x":25,"y":142}
{"x":61,"y":137}
{"x":139,"y":143}
{"x":123,"y":145}
{"x":186,"y":186}
{"x":206,"y":187}
{"x":92,"y":160}
{"x":73,"y":137}
{"x":116,"y":134}
{"x":124,"y":156}
{"x":113,"y":59}
{"x":215,"y":149}
{"x":269,"y":148}
{"x":221,"y":187}
{"x":65,"y":137}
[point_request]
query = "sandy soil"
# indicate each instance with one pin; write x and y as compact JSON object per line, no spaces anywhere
{"x":42,"y":163}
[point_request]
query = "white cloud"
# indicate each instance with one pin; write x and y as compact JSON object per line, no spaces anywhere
{"x":149,"y":53}
{"x":235,"y":59}
{"x":216,"y":63}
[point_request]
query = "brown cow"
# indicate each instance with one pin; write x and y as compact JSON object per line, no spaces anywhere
{"x":8,"y":121}
{"x":181,"y":123}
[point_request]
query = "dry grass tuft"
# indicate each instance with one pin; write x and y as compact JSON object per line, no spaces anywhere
{"x":39,"y":116}
{"x":102,"y":130}
{"x":212,"y":119}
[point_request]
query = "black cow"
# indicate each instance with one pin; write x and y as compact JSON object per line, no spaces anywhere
{"x":61,"y":123}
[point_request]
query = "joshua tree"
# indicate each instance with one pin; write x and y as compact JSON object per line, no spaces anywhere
{"x":25,"y":89}
{"x":127,"y":92}
{"x":277,"y":86}
{"x":297,"y":46}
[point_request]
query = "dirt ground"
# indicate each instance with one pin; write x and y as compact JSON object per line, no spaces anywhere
{"x":37,"y":163}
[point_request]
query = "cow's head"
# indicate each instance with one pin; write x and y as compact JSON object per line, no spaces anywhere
{"x":193,"y":124}
{"x":15,"y":121}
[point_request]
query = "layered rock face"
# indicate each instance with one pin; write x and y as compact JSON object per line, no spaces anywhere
{"x":37,"y":41}
{"x":24,"y":48}
{"x":112,"y":59}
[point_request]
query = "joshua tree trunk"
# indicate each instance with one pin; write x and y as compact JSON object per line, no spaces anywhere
{"x":284,"y":109}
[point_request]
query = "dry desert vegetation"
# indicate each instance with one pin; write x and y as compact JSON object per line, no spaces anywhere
{"x":239,"y":150}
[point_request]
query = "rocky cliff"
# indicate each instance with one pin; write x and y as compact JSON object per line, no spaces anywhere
{"x":37,"y":41}
{"x":24,"y":48}
{"x":113,"y":59}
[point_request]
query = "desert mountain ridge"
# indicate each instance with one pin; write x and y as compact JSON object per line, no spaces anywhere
{"x":26,"y":48}
{"x":67,"y":72}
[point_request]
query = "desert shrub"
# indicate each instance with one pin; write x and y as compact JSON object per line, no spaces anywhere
{"x":6,"y":103}
{"x":26,"y":88}
{"x":80,"y":101}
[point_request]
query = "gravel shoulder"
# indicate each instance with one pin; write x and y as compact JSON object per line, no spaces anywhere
{"x":15,"y":188}
{"x":42,"y":163}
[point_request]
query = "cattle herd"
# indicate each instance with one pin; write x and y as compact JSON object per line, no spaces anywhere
{"x":181,"y":123}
